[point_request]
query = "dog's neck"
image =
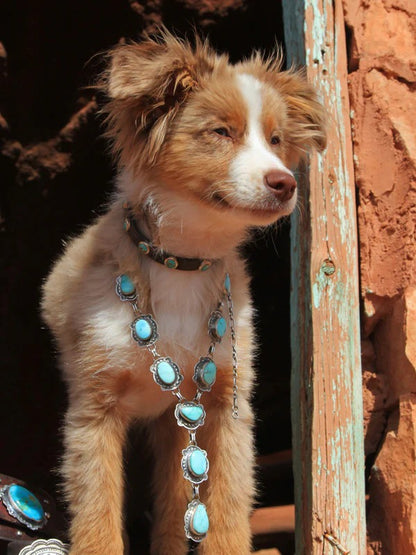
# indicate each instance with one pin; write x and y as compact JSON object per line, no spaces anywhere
{"x":186,"y":227}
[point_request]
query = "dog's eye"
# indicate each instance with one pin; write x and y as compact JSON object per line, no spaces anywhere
{"x":222,"y":131}
{"x":275,"y":140}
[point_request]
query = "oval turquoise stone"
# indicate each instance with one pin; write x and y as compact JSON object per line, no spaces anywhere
{"x":197,"y":462}
{"x":166,"y":372}
{"x":221,"y":327}
{"x":143,"y":329}
{"x":191,"y":413}
{"x":209,"y":373}
{"x":126,"y":285}
{"x":200,"y":521}
{"x":26,"y":503}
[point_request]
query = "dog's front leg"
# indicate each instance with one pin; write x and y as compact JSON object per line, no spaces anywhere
{"x":170,"y":488}
{"x":230,"y":487}
{"x":93,"y":478}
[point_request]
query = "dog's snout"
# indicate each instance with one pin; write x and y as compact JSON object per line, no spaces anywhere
{"x":281,"y":183}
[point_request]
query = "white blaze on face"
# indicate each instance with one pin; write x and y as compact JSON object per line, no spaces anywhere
{"x":255,"y":159}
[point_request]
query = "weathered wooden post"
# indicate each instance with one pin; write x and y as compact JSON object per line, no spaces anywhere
{"x":326,"y":379}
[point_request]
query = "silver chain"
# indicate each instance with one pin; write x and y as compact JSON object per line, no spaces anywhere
{"x":234,"y":354}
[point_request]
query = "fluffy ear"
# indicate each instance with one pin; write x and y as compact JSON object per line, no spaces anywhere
{"x":306,"y":115}
{"x":146,"y":84}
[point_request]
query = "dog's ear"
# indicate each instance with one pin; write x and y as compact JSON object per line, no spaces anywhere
{"x":146,"y":84}
{"x":306,"y":115}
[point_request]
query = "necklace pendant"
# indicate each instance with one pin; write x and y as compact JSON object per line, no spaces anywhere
{"x":190,"y":415}
{"x":195,"y":464}
{"x":144,"y":330}
{"x":125,"y":288}
{"x":217,"y":326}
{"x":196,"y":521}
{"x":166,"y":373}
{"x":205,"y":372}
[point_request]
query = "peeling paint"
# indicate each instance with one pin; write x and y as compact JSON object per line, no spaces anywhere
{"x":326,"y":332}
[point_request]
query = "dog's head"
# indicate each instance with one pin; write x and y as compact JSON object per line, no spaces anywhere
{"x":227,"y":135}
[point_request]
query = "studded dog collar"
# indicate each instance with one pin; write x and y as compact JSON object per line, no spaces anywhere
{"x":146,"y":247}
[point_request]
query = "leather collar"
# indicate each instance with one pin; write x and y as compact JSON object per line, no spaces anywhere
{"x":145,"y":247}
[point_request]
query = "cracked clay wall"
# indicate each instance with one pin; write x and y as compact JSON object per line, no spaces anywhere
{"x":382,"y":80}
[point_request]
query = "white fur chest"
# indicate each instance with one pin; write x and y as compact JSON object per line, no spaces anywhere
{"x":182,"y":302}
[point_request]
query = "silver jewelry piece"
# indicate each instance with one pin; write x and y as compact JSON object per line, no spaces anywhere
{"x":205,"y":373}
{"x":195,"y":464}
{"x":45,"y":547}
{"x":123,"y":296}
{"x":196,"y":521}
{"x":153,"y":335}
{"x":186,"y":415}
{"x":168,"y":377}
{"x":216,"y":326}
{"x":21,"y":508}
{"x":189,"y":414}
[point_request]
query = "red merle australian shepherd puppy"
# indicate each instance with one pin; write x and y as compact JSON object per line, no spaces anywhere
{"x":140,"y":304}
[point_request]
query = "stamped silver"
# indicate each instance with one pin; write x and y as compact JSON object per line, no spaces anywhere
{"x":121,"y":295}
{"x":182,"y":420}
{"x":199,"y":374}
{"x":45,"y":547}
{"x":190,"y":532}
{"x":163,"y":384}
{"x":16,"y":512}
{"x":187,"y":471}
{"x":153,"y":326}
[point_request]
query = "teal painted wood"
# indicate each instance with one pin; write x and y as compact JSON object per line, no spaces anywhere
{"x":326,"y":384}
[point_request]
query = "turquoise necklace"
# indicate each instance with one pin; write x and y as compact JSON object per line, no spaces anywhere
{"x":189,"y":414}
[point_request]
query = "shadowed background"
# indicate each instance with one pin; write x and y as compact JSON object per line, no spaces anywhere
{"x":55,"y":178}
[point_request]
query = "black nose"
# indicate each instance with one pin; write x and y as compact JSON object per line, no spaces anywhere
{"x":281,"y":183}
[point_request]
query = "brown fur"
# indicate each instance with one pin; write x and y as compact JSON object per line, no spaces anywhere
{"x":166,"y":104}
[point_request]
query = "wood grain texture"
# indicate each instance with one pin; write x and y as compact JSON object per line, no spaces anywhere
{"x":326,"y":378}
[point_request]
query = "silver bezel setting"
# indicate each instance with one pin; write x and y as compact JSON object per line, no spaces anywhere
{"x":153,"y":338}
{"x":45,"y":547}
{"x":190,"y":511}
{"x":16,"y":513}
{"x":213,"y":319}
{"x":159,"y":381}
{"x":183,"y":422}
{"x":198,"y":374}
{"x":187,"y":474}
{"x":121,"y":295}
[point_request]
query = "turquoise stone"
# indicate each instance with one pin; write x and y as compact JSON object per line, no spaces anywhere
{"x":197,"y":462}
{"x":143,"y":329}
{"x":191,"y":413}
{"x":144,"y":247}
{"x":200,"y":521}
{"x":171,"y":262}
{"x":166,"y":372}
{"x":126,"y":285}
{"x":26,"y":503}
{"x":221,"y":327}
{"x":227,"y":283}
{"x":209,"y":373}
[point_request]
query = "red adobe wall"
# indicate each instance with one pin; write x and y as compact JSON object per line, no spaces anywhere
{"x":382,"y":80}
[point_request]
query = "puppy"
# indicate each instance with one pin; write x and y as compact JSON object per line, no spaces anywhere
{"x":205,"y":152}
